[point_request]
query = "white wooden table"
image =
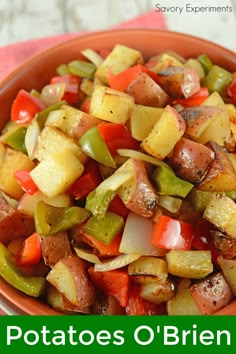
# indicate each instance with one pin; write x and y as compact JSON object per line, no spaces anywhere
{"x":27,"y":19}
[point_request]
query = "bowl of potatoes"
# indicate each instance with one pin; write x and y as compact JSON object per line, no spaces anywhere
{"x":118,"y":177}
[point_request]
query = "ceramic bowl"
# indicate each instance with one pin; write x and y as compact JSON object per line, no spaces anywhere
{"x":36,"y":72}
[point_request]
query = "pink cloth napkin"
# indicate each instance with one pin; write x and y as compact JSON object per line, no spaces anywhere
{"x":14,"y":54}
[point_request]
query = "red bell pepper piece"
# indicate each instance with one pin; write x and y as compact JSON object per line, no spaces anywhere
{"x":117,"y":136}
{"x":171,"y":233}
{"x":118,"y":207}
{"x":31,"y":251}
{"x":72,"y":91}
{"x":86,"y":183}
{"x":25,"y":107}
{"x":137,"y":306}
{"x":124,"y":78}
{"x":202,"y":238}
{"x":195,"y":100}
{"x":99,"y":248}
{"x":113,"y":282}
{"x":26,"y":182}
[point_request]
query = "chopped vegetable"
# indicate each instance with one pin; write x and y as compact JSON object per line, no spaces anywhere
{"x":172,"y":234}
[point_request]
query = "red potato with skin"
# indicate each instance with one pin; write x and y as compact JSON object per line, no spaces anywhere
{"x":55,"y":247}
{"x":198,"y":119}
{"x":69,"y":276}
{"x":211,"y":294}
{"x":191,"y":160}
{"x":221,"y":175}
{"x":147,"y":92}
{"x":138,"y":194}
{"x":13,"y":223}
{"x":60,"y":303}
{"x":179,"y":82}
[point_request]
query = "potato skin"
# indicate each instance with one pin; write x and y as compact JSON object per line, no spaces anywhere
{"x":225,"y":244}
{"x":191,"y":160}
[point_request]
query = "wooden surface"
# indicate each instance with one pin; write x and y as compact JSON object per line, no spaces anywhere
{"x":27,"y":19}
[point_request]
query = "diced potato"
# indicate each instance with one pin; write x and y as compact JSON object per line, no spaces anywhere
{"x":148,"y":269}
{"x":2,"y":153}
{"x":71,"y":121}
{"x":164,"y":135}
{"x":182,"y":303}
{"x":231,"y":109}
{"x":198,"y":119}
{"x":157,"y":292}
{"x":228,"y":267}
{"x":69,"y":277}
{"x":142,"y":120}
{"x":147,"y":92}
{"x":53,"y":140}
{"x":120,"y":59}
{"x":111,"y":105}
{"x":221,"y":211}
{"x":87,"y":86}
{"x":189,"y":264}
{"x":211,"y":294}
{"x":60,"y":303}
{"x":221,"y":175}
{"x":194,"y":63}
{"x":55,"y":248}
{"x":13,"y":161}
{"x":219,"y":130}
{"x":225,"y":244}
{"x":55,"y":174}
{"x":165,"y":60}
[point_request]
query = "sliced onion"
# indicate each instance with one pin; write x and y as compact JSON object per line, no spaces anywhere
{"x":141,"y":156}
{"x":115,"y":263}
{"x":136,"y":238}
{"x":87,"y":256}
{"x":119,"y":177}
{"x":170,"y":203}
{"x":31,"y":138}
{"x":53,"y":93}
{"x":92,"y":56}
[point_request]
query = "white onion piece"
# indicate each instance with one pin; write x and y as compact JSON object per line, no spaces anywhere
{"x":136,"y":238}
{"x":117,"y":262}
{"x":141,"y":156}
{"x":92,"y":56}
{"x":31,"y":138}
{"x":119,"y":177}
{"x":171,"y":204}
{"x":87,"y":256}
{"x":53,"y":93}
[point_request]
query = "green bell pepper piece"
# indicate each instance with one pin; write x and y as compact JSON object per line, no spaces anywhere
{"x":104,"y":229}
{"x":16,"y":140}
{"x":63,"y":70}
{"x":98,"y":203}
{"x":95,"y":147}
{"x":218,"y":79}
{"x":205,"y":62}
{"x":170,"y":184}
{"x":50,"y":220}
{"x":30,"y":285}
{"x":82,"y":68}
{"x":42,"y":116}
